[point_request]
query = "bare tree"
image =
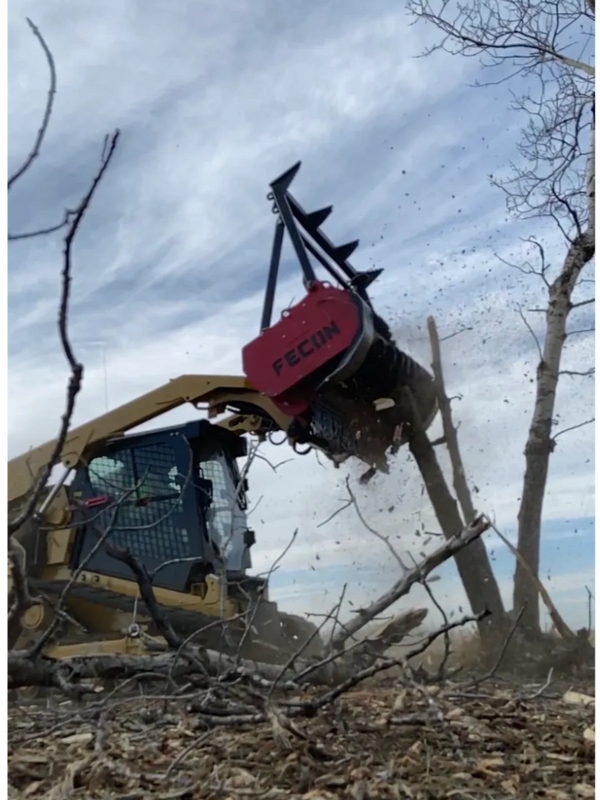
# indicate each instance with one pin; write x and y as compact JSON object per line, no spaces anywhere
{"x":549,"y":46}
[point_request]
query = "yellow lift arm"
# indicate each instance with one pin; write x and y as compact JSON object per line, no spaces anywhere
{"x":216,"y":392}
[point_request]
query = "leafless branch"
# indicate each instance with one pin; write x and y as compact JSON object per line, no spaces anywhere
{"x":589,"y":373}
{"x":411,"y":577}
{"x":587,"y":302}
{"x":380,"y":536}
{"x":67,"y":217}
{"x":287,"y":666}
{"x":274,"y":467}
{"x":548,"y":47}
{"x":75,"y":380}
{"x":346,"y":505}
{"x":531,"y":331}
{"x":441,"y":670}
{"x":144,"y":583}
{"x":494,"y":669}
{"x":47,"y":111}
{"x":456,"y":333}
{"x":574,"y":427}
{"x":248,"y":628}
{"x":387,"y":663}
{"x":47,"y":634}
{"x":581,"y":330}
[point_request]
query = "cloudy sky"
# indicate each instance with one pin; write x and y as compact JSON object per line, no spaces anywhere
{"x":214,"y":100}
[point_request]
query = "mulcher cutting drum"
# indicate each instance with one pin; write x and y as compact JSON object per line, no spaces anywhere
{"x":329,"y":362}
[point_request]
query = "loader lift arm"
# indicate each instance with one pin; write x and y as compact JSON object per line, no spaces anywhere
{"x":218,"y":393}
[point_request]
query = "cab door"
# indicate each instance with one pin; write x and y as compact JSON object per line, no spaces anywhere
{"x":140,"y":496}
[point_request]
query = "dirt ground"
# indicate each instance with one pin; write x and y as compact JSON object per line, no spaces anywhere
{"x":503,"y":739}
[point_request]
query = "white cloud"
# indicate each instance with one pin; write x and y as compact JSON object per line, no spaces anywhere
{"x":170,"y":263}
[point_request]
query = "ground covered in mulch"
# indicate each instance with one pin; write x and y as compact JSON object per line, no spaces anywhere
{"x":497,"y":740}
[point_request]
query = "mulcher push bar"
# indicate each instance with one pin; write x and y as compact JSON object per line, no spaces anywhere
{"x":303,"y":228}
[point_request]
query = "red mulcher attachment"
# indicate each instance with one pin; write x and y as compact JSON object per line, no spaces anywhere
{"x":330,"y":361}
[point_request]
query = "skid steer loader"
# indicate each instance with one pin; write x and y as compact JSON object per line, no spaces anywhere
{"x":327,"y":374}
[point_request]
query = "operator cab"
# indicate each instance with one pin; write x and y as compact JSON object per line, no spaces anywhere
{"x":169,"y":495}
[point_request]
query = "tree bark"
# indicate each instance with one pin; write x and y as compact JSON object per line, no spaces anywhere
{"x":540,"y":444}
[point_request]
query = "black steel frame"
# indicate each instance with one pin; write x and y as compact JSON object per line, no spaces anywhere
{"x":303,"y":228}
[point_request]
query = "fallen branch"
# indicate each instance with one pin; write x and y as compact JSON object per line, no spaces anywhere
{"x":414,"y":575}
{"x":561,"y":626}
{"x":34,"y":669}
{"x":68,"y":673}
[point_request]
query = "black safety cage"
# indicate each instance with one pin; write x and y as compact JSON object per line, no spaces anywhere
{"x":304,"y":231}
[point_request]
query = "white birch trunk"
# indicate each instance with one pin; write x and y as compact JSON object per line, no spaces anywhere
{"x":540,"y":444}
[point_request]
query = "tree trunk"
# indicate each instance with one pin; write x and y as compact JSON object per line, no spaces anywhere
{"x":540,"y":444}
{"x":472,"y":563}
{"x":459,"y":478}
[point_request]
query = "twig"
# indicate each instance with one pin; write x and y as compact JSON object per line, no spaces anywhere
{"x":41,"y":642}
{"x":589,"y":373}
{"x":47,"y":111}
{"x":583,"y":303}
{"x":258,"y":600}
{"x":380,"y":536}
{"x":144,"y":583}
{"x":442,"y":666}
{"x":194,"y":743}
{"x":346,"y":505}
{"x":531,"y":331}
{"x":503,"y":649}
{"x":456,"y":333}
{"x":542,"y":688}
{"x":337,"y":611}
{"x":388,"y":663}
{"x":581,"y":330}
{"x":295,"y":656}
{"x":274,"y":467}
{"x":74,"y":384}
{"x":574,"y":427}
{"x":16,"y":237}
